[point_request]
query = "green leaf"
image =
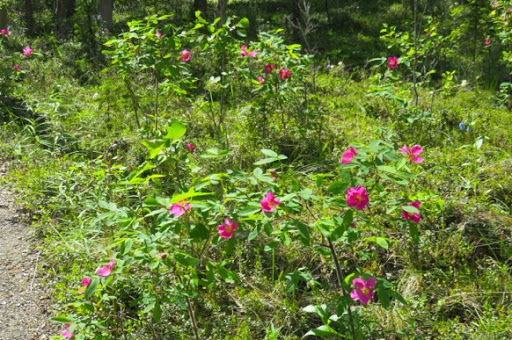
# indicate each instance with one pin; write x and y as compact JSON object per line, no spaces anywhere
{"x":186,"y":260}
{"x":253,"y":233}
{"x":410,"y":209}
{"x":382,"y":242}
{"x":175,"y":130}
{"x":337,"y":187}
{"x":61,"y":319}
{"x":384,"y":298}
{"x":266,"y":161}
{"x":157,"y":312}
{"x":198,"y":232}
{"x":154,"y":148}
{"x":386,"y":168}
{"x":126,"y":246}
{"x":269,"y":153}
{"x":321,"y":331}
{"x":244,"y":22}
{"x":228,"y":275}
{"x":91,"y":288}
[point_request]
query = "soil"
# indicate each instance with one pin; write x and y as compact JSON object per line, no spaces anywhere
{"x":24,"y":298}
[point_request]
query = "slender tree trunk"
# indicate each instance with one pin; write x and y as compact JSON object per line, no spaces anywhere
{"x":4,"y":18}
{"x":296,"y":18}
{"x":327,"y":7}
{"x":29,"y":17}
{"x":105,"y":10}
{"x":200,"y":5}
{"x":63,"y":11}
{"x":222,"y":6}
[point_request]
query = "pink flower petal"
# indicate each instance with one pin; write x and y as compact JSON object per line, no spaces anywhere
{"x":358,"y":282}
{"x":353,"y":295}
{"x":371,"y":282}
{"x":416,"y":150}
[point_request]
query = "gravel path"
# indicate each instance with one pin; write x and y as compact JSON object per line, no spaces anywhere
{"x":24,"y":301}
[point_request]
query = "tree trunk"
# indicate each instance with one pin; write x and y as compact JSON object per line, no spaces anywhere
{"x":4,"y":18}
{"x":199,"y":5}
{"x":105,"y":9}
{"x":29,"y":17}
{"x":296,"y":19}
{"x":63,"y":11}
{"x":222,"y":6}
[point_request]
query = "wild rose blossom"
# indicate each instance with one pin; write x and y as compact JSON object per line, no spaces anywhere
{"x":415,"y":217}
{"x":85,"y":283}
{"x":357,"y":197}
{"x":227,"y":229}
{"x":392,"y":62}
{"x":5,"y":32}
{"x":190,"y":147}
{"x":158,"y":34}
{"x":106,"y":270}
{"x":178,"y":209}
{"x":261,"y":80}
{"x":413,"y":152}
{"x":285,"y":74}
{"x":269,"y":202}
{"x":268,"y":68}
{"x":16,"y":68}
{"x":348,"y":155}
{"x":487,"y":41}
{"x":364,"y":290}
{"x":66,"y":333}
{"x":246,"y":53}
{"x":27,"y":51}
{"x":185,"y":55}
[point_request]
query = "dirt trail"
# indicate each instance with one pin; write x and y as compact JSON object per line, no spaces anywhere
{"x":24,"y":301}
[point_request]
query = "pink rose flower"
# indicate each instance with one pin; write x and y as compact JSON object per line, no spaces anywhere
{"x":85,"y":283}
{"x":413,"y":153}
{"x":415,"y":217}
{"x":269,"y":202}
{"x":285,"y":74}
{"x":16,"y":68}
{"x":357,"y":197}
{"x":268,"y":68}
{"x":190,"y":147}
{"x":106,"y":270}
{"x":261,"y":80}
{"x":487,"y":41}
{"x":246,"y":53}
{"x":185,"y":55}
{"x":227,"y":229}
{"x":178,"y":209}
{"x":27,"y":51}
{"x":364,"y":290}
{"x":348,"y":155}
{"x":392,"y":62}
{"x":158,"y":34}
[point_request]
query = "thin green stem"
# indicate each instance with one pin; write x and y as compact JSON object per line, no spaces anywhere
{"x":340,"y":282}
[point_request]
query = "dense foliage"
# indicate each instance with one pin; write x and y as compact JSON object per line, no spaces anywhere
{"x":193,"y":177}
